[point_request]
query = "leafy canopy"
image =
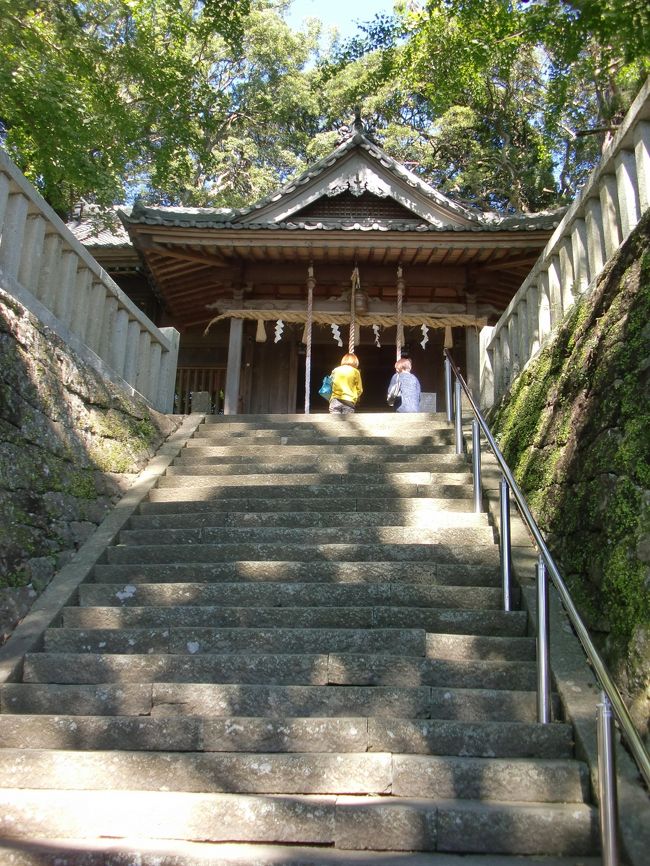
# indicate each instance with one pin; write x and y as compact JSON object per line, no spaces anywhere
{"x":218,"y":102}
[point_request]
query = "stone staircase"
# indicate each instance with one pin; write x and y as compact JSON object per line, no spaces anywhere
{"x":294,"y":655}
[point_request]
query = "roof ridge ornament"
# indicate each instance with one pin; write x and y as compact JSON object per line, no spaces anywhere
{"x":358,"y":123}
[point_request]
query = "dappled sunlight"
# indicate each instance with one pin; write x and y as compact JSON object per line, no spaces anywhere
{"x":319,"y":638}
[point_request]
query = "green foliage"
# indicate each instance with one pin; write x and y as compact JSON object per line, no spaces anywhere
{"x":218,"y":102}
{"x":93,"y":93}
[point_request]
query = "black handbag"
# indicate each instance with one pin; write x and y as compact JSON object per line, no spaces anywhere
{"x":394,"y":395}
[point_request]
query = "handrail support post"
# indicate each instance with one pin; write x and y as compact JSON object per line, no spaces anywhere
{"x":607,"y":799}
{"x":458,"y":416}
{"x":448,"y":404}
{"x":476,"y":466}
{"x":504,"y":491}
{"x":543,"y":646}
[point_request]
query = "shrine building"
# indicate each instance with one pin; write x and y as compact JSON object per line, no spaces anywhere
{"x":356,"y":251}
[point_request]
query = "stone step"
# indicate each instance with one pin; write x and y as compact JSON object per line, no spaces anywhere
{"x":193,"y":462}
{"x":426,"y":518}
{"x":369,"y":422}
{"x":496,"y":779}
{"x":479,"y":622}
{"x":302,"y":668}
{"x":322,"y":438}
{"x":376,"y":469}
{"x":288,"y":734}
{"x":341,"y":482}
{"x":327,"y":428}
{"x":280,"y":594}
{"x":116,"y":852}
{"x":305,"y":552}
{"x":429,"y":573}
{"x":464,"y":646}
{"x":410,"y":642}
{"x":195,"y":450}
{"x":224,"y":700}
{"x":333,"y":504}
{"x":327,"y":433}
{"x":298,"y":498}
{"x":344,"y":822}
{"x":380,"y":535}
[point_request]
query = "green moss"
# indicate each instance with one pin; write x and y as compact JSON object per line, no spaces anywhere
{"x":82,"y":484}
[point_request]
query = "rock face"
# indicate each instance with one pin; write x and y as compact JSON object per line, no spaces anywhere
{"x":70,"y":444}
{"x":575,"y":427}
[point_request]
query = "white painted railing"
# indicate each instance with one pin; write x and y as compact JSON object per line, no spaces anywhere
{"x":605,"y":212}
{"x":45,"y":267}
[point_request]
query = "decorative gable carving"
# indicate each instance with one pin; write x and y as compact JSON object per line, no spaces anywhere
{"x":356,"y":206}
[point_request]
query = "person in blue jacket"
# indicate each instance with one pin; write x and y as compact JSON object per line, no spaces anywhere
{"x":410,"y":387}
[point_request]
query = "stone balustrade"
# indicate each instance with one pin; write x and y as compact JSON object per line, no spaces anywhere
{"x":607,"y":209}
{"x":46,"y":268}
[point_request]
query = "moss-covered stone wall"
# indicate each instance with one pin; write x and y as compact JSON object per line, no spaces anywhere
{"x":575,"y":428}
{"x":70,"y":444}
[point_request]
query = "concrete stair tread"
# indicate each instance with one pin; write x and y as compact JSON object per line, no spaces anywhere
{"x":324,"y":481}
{"x":331,"y":552}
{"x":430,"y":573}
{"x":296,"y":497}
{"x":334,"y":504}
{"x":445,"y":620}
{"x":343,"y":822}
{"x":145,"y":852}
{"x":355,"y":458}
{"x":425,"y":518}
{"x":533,"y":780}
{"x":478,"y":532}
{"x":277,"y":701}
{"x":433,"y":646}
{"x":289,"y":668}
{"x":291,"y":594}
{"x":409,"y":642}
{"x":289,"y":733}
{"x":201,"y":461}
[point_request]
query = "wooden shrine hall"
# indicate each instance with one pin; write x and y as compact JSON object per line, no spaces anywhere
{"x":356,"y":251}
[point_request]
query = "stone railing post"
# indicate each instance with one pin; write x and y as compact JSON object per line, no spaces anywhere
{"x":566,"y":274}
{"x":610,"y":214}
{"x":32,"y":253}
{"x":486,"y":365}
{"x":167,"y":378}
{"x":580,"y":261}
{"x":641,"y":141}
{"x":13,"y":230}
{"x":533,"y":321}
{"x":555,"y":290}
{"x":628,"y":192}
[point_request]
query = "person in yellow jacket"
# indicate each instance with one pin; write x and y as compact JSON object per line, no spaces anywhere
{"x":346,"y":385}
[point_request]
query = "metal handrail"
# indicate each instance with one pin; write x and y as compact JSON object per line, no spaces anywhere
{"x":634,"y":742}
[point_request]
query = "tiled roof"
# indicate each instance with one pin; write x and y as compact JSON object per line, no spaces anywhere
{"x":90,"y":233}
{"x":100,"y":228}
{"x":180,"y":218}
{"x":224,"y":218}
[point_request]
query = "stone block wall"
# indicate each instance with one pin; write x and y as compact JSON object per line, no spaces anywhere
{"x":70,"y":445}
{"x":575,"y":428}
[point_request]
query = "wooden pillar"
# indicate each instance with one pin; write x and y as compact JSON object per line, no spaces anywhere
{"x":233,"y":368}
{"x":311,"y":282}
{"x":472,"y":359}
{"x":399,"y":330}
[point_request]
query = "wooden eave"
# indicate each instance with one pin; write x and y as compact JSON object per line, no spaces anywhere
{"x":194,"y":267}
